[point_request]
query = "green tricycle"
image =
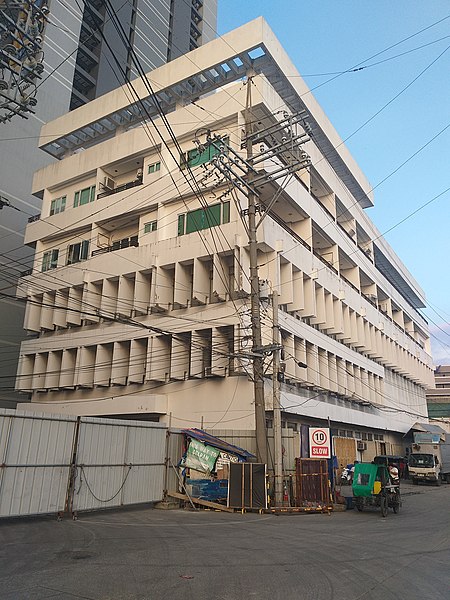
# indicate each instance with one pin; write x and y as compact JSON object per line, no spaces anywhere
{"x":373,"y":485}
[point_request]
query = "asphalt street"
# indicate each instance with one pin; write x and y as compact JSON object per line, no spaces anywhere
{"x":151,"y":554}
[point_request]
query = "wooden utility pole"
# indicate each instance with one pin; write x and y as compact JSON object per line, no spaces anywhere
{"x":277,"y":429}
{"x":258,"y":361}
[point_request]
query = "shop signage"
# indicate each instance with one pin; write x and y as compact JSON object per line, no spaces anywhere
{"x":319,"y":442}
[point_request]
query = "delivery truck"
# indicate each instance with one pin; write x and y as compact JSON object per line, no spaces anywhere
{"x":431,"y":466}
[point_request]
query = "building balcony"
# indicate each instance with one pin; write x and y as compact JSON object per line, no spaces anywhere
{"x":120,"y":188}
{"x":129,"y":242}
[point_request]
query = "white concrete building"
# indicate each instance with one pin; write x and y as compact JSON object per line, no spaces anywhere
{"x":139,"y":297}
{"x":78,"y":67}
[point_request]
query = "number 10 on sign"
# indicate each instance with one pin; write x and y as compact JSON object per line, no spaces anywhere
{"x":319,"y":442}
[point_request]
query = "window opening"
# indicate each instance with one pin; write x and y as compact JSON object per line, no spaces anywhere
{"x":151,"y":226}
{"x":204,"y":218}
{"x":58,"y":205}
{"x":50,"y":260}
{"x":203,"y":153}
{"x":78,"y":252}
{"x":84,"y":196}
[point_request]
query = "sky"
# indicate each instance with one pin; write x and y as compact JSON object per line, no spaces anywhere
{"x":411,"y":95}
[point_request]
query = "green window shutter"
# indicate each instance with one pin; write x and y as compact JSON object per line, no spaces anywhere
{"x":45,"y":261}
{"x":181,"y":220}
{"x":63,"y":203}
{"x":147,"y":228}
{"x":226,"y":212}
{"x":73,"y":254}
{"x":52,"y":207}
{"x":76,"y":199}
{"x":54,"y":261}
{"x":84,"y":253}
{"x":92,"y":194}
{"x":85,"y":196}
{"x":212,"y":215}
{"x":203,"y":218}
{"x":195,"y":220}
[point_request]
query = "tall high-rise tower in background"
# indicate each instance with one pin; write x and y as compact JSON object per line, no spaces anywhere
{"x":82,"y":50}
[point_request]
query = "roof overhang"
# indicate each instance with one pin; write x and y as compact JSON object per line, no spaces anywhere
{"x":252,"y":48}
{"x":385,"y":266}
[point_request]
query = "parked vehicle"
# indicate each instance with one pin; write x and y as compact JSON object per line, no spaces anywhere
{"x":430,"y":462}
{"x":424,"y":467}
{"x":373,"y":486}
{"x":445,"y":458}
{"x":391,"y":460}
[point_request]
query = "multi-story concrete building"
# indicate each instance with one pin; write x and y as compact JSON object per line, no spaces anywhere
{"x":138,"y":303}
{"x":438,"y":397}
{"x":78,"y":44}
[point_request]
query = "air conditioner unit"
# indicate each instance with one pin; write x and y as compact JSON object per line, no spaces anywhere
{"x":109,"y":183}
{"x":361,"y":446}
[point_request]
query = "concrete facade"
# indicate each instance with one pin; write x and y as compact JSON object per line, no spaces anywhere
{"x":133,"y":312}
{"x":76,"y":59}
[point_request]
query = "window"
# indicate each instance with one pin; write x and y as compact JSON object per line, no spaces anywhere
{"x":50,"y":260}
{"x":154,"y":168}
{"x":181,"y":222}
{"x":84,"y":196}
{"x":202,"y":154}
{"x":78,"y":252}
{"x":58,"y":205}
{"x":149,"y":227}
{"x":204,"y":218}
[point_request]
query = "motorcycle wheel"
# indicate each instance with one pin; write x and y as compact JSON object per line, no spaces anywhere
{"x":360,"y":506}
{"x":384,"y":507}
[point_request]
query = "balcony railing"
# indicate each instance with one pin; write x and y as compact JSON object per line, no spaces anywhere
{"x":120,"y":188}
{"x":119,"y":245}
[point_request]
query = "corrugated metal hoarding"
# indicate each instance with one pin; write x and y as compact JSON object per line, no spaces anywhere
{"x":117,"y":463}
{"x":35,"y":457}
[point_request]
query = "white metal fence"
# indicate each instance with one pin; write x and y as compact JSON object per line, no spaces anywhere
{"x":55,"y":463}
{"x":52,"y":463}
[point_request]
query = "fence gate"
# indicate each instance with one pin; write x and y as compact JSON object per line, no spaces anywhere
{"x":312,"y":481}
{"x":117,"y":463}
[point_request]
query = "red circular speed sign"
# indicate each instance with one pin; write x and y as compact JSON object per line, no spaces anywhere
{"x":320,"y":437}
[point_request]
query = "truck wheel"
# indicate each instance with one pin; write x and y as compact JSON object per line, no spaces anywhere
{"x":360,"y":505}
{"x":415,"y":481}
{"x":447,"y":478}
{"x":384,"y":507}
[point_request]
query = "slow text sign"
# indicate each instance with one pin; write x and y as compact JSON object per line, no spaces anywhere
{"x":319,"y":442}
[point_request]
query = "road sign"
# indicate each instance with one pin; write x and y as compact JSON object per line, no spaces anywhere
{"x":319,"y":442}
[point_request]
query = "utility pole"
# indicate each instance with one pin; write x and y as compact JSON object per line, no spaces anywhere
{"x":277,"y":430}
{"x":279,"y":141}
{"x":258,"y":361}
